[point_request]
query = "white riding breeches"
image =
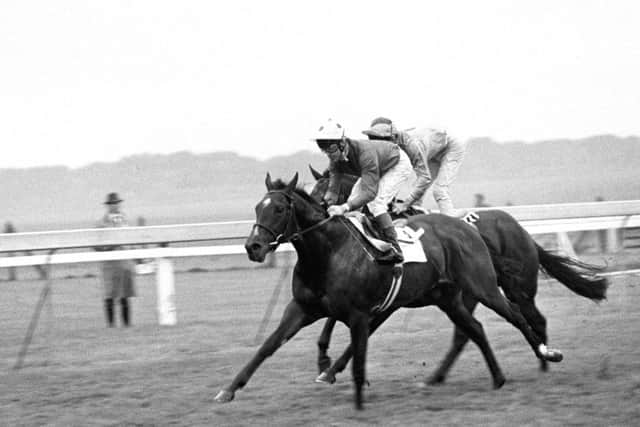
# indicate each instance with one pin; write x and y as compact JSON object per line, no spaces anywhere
{"x":389,"y":185}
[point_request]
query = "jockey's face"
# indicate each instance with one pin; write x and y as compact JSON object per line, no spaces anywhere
{"x":332,"y":151}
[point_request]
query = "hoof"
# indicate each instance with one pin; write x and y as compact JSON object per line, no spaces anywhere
{"x":499,"y":383}
{"x":554,"y":356}
{"x":550,"y":355}
{"x":224,"y":396}
{"x":326,"y":378}
{"x":436,"y":379}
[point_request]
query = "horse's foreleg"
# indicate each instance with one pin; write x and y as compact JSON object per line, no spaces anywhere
{"x":359,"y":327}
{"x":293,"y":319}
{"x":324,"y":361}
{"x":460,"y":339}
{"x":329,"y":375}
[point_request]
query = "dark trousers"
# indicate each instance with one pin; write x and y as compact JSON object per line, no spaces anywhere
{"x":109,"y":311}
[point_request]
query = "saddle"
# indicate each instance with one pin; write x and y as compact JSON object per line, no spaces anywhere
{"x":408,"y":238}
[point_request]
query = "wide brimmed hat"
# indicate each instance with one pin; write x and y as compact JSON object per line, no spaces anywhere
{"x":380,"y":130}
{"x":112,"y":199}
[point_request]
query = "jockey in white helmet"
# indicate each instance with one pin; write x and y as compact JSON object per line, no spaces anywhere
{"x":381,"y":167}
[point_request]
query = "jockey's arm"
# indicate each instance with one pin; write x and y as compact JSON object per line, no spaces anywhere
{"x":369,"y":178}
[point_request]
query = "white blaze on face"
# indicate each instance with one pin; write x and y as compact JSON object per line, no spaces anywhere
{"x":265,"y":203}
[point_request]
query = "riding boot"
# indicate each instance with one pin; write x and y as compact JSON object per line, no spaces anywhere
{"x":108,"y":308}
{"x":394,"y":256}
{"x":124,"y":302}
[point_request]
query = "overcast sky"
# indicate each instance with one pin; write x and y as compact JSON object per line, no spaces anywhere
{"x":85,"y":81}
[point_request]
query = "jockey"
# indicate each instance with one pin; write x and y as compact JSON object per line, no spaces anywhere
{"x":381,"y":167}
{"x":431,"y":152}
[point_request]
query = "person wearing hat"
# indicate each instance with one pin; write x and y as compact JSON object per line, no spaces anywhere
{"x":117,"y":276}
{"x":435,"y":157}
{"x":382,"y":168}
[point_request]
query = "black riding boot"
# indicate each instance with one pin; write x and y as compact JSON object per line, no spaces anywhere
{"x":108,"y":309}
{"x":124,"y":302}
{"x":389,"y":235}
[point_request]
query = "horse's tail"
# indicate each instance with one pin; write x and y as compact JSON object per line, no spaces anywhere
{"x":567,"y":271}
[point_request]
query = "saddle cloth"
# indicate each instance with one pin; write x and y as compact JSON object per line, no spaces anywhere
{"x":408,"y":238}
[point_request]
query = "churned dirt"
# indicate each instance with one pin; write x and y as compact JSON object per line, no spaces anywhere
{"x":78,"y":372}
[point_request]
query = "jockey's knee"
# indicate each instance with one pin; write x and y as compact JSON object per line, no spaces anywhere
{"x":440,"y":193}
{"x":445,"y":204}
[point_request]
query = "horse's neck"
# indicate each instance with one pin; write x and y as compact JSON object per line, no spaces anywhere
{"x":318,"y":244}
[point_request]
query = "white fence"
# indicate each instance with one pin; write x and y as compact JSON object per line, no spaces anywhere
{"x":207,"y":239}
{"x":212,"y":238}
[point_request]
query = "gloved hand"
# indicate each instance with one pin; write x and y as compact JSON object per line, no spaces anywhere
{"x":338,"y":209}
{"x":399,"y":207}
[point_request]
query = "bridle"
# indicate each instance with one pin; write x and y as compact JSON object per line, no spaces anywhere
{"x":292,"y":223}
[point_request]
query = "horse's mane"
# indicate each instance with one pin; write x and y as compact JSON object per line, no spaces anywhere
{"x":279,"y":184}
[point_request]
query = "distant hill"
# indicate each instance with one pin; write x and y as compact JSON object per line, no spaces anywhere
{"x":186,"y":187}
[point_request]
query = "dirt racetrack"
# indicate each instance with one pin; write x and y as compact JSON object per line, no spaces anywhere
{"x":80,"y":373}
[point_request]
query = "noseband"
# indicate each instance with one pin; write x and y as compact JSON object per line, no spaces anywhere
{"x":279,"y":238}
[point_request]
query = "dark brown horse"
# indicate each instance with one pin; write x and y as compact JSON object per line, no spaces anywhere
{"x":336,"y":276}
{"x":516,"y":257}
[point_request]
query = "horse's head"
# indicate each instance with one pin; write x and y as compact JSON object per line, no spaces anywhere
{"x":283,"y":213}
{"x":321,"y":186}
{"x":345,"y":184}
{"x":274,"y":214}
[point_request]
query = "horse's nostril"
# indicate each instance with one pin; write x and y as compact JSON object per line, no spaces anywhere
{"x":254,"y":246}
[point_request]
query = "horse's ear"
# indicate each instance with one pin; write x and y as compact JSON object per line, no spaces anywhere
{"x":268,"y":182}
{"x":316,"y":175}
{"x":292,"y":184}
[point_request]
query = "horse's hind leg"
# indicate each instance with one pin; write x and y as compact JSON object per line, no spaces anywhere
{"x":538,"y":324}
{"x":521,"y":288}
{"x":329,"y":375}
{"x":490,"y":296}
{"x":324,"y":361}
{"x":467,"y":325}
{"x":460,"y":339}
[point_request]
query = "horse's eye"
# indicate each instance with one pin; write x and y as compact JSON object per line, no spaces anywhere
{"x":279,"y":209}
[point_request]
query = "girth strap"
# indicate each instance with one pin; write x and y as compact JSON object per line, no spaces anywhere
{"x":396,"y":282}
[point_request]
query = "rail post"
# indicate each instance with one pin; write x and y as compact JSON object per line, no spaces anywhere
{"x":166,"y":293}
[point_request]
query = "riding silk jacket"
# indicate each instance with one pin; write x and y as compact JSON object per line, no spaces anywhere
{"x":422,"y":146}
{"x":368,"y":160}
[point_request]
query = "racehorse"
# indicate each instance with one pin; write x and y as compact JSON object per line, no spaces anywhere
{"x":516,"y":258}
{"x":336,"y":276}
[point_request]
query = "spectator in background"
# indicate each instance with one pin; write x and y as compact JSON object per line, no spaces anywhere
{"x":480,"y":202}
{"x":117,"y":276}
{"x":10,"y":228}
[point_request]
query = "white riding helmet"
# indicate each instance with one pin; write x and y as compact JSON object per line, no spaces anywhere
{"x":329,"y":131}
